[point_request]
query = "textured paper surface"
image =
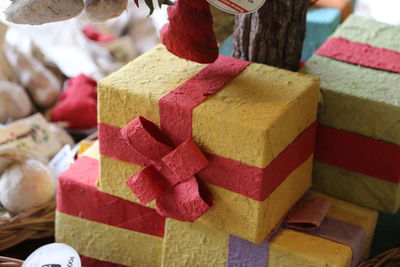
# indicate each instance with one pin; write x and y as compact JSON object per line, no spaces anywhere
{"x":364,"y":101}
{"x":259,"y":103}
{"x":102,"y":226}
{"x":360,"y":54}
{"x":108,"y":243}
{"x":321,"y":22}
{"x":359,"y":99}
{"x":356,"y":187}
{"x":88,"y":262}
{"x":78,"y":196}
{"x":358,"y":153}
{"x":251,"y":120}
{"x":290,"y":248}
{"x":244,"y":217}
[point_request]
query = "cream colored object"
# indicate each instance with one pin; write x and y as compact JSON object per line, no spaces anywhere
{"x":32,"y":134}
{"x":102,"y":10}
{"x":41,"y":84}
{"x":26,"y":183}
{"x":42,"y":11}
{"x":14,"y":101}
{"x":62,"y":135}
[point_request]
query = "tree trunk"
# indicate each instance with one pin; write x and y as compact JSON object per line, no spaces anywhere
{"x":272,"y":35}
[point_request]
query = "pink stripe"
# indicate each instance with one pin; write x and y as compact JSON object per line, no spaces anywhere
{"x":176,"y":107}
{"x":253,"y":182}
{"x":78,"y":196}
{"x":259,"y":183}
{"x":358,"y":153}
{"x":361,"y":54}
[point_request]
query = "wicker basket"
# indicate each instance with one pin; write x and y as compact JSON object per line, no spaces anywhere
{"x":390,"y":258}
{"x":32,"y":224}
{"x":10,"y":262}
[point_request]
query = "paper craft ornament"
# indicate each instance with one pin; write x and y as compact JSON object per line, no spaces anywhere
{"x":77,"y":104}
{"x":189,"y":33}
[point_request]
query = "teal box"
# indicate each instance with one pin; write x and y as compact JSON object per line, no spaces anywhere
{"x":321,"y":23}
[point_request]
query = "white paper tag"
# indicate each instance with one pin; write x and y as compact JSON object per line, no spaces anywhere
{"x":62,"y":161}
{"x":237,"y":6}
{"x":53,"y":255}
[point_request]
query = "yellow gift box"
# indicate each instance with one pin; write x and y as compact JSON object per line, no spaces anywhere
{"x":104,"y":229}
{"x":188,"y":244}
{"x":263,"y":119}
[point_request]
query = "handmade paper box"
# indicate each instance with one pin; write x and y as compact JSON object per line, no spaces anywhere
{"x":254,"y":124}
{"x":345,"y":6}
{"x":358,"y":140}
{"x":188,"y":244}
{"x":105,"y":230}
{"x":321,"y":23}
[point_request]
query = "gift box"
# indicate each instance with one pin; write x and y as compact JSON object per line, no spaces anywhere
{"x":345,"y":6}
{"x":235,"y":145}
{"x":321,"y":23}
{"x":358,"y":139}
{"x":105,"y":230}
{"x":343,"y":238}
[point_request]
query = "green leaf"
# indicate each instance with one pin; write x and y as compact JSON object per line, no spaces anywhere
{"x":149,"y":3}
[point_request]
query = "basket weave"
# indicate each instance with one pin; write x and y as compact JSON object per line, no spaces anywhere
{"x":35,"y":223}
{"x":390,"y":258}
{"x":10,"y":262}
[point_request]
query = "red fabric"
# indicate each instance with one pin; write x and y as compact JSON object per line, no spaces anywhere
{"x":78,"y":196}
{"x":253,"y":182}
{"x":358,"y":153}
{"x":307,"y":214}
{"x":360,"y":54}
{"x":93,"y":34}
{"x":78,"y":103}
{"x":177,"y":106}
{"x":189,"y":33}
{"x":90,"y":262}
{"x":170,"y":177}
{"x":176,"y":121}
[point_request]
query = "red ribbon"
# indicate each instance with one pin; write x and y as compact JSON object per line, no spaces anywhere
{"x":357,"y":53}
{"x":169,"y":176}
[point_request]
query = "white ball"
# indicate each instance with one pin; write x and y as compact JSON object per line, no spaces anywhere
{"x":26,"y":185}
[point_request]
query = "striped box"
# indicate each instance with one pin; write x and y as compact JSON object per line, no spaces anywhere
{"x":358,"y":140}
{"x":106,"y":231}
{"x":254,"y":123}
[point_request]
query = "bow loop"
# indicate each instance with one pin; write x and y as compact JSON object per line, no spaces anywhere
{"x":145,"y":137}
{"x":169,"y":179}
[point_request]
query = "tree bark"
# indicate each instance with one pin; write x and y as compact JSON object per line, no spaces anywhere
{"x":272,"y":35}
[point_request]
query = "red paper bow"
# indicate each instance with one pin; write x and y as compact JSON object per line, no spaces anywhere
{"x":169,"y":178}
